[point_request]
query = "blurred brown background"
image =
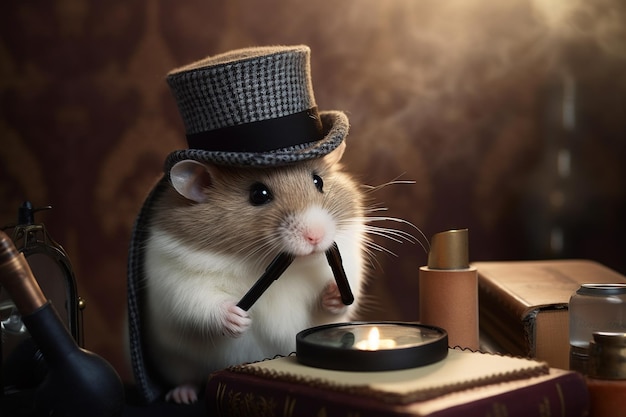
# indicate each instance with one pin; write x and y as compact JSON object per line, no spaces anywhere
{"x":509,"y":116}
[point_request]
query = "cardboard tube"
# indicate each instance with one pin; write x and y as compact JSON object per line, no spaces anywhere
{"x":449,"y":299}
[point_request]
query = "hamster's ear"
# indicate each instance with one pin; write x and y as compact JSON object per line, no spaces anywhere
{"x":190,"y":178}
{"x":334,"y":157}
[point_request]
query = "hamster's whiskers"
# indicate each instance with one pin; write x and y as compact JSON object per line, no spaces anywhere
{"x":262,"y":250}
{"x":392,"y":234}
{"x":373,"y":188}
{"x":396,"y":235}
{"x":371,"y":246}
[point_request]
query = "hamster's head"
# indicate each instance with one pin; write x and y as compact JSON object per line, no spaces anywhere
{"x":259,"y":212}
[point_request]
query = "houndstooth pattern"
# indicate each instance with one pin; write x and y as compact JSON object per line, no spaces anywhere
{"x":149,"y":385}
{"x":243,"y":86}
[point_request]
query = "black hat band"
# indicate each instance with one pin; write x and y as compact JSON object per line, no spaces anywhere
{"x":263,"y":135}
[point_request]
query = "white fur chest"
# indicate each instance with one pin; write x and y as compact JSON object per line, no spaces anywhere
{"x":186,"y":289}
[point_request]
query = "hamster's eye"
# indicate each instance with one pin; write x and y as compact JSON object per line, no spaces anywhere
{"x":319,"y":183}
{"x":260,"y":194}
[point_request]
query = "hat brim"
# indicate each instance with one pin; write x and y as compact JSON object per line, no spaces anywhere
{"x":334,"y":123}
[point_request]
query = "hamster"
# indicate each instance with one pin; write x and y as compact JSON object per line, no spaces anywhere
{"x":211,"y":236}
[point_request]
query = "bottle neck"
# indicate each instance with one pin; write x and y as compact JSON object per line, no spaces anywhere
{"x":50,"y":335}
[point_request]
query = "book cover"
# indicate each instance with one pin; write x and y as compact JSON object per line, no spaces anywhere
{"x":523,"y":305}
{"x":465,"y":383}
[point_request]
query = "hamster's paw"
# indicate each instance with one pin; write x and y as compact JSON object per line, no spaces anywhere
{"x":183,"y":394}
{"x":235,"y":320}
{"x":331,"y":299}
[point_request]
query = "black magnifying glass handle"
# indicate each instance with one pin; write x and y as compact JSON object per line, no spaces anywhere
{"x":271,"y":274}
{"x":334,"y":260}
{"x":281,"y":262}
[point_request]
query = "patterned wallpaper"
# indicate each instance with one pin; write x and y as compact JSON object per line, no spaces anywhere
{"x":466,"y":98}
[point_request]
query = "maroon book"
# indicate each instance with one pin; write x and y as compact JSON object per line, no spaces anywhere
{"x":464,"y":384}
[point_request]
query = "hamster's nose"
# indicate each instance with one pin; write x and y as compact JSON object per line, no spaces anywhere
{"x":314,"y":235}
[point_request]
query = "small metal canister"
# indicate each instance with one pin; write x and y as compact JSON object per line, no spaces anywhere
{"x":594,"y":308}
{"x":607,"y":374}
{"x":607,"y":355}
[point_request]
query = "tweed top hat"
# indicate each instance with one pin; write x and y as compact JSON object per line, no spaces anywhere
{"x":253,"y":107}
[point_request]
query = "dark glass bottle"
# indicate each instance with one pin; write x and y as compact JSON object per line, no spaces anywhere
{"x":78,"y":382}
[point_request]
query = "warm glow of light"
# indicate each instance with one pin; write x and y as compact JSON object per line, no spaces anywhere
{"x":374,"y":341}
